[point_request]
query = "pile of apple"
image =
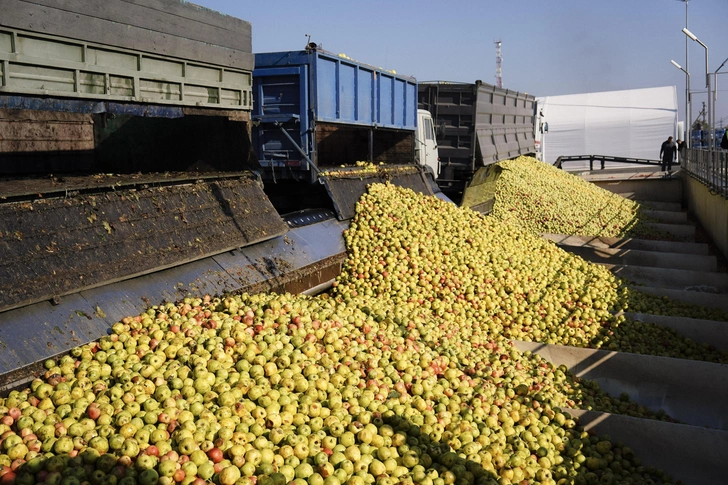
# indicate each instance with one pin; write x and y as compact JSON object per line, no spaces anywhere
{"x":277,"y":389}
{"x":541,"y":198}
{"x":411,"y":250}
{"x":402,"y":374}
{"x":364,"y":169}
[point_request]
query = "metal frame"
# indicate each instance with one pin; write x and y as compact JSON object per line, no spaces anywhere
{"x":708,"y":166}
{"x":602,"y":158}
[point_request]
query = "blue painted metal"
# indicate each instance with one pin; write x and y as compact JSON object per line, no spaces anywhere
{"x":365,"y":103}
{"x":51,"y":104}
{"x":701,"y":138}
{"x":320,"y":87}
{"x":146,"y":110}
{"x":89,"y":107}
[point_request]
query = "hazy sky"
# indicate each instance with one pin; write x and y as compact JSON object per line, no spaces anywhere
{"x":550,"y":47}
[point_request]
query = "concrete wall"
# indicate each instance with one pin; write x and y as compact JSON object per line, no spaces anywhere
{"x":710,"y":210}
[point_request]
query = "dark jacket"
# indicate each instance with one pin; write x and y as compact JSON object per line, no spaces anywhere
{"x":724,"y":141}
{"x":668,"y":151}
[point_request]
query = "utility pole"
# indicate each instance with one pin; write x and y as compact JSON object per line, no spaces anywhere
{"x":688,"y":100}
{"x":498,"y":65}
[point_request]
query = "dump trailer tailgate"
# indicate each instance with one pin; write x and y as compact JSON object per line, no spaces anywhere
{"x":347,"y":186}
{"x":94,"y":235}
{"x":479,"y":195}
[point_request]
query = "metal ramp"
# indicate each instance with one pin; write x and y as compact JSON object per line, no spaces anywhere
{"x":305,"y":257}
{"x":79,"y":235}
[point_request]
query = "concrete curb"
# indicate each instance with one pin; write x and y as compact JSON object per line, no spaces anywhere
{"x":709,"y":332}
{"x":684,"y":232}
{"x":661,"y":206}
{"x":629,"y":243}
{"x":667,"y":217}
{"x":653,"y":259}
{"x":691,"y":391}
{"x":674,"y":279}
{"x":708,"y":300}
{"x":689,"y":453}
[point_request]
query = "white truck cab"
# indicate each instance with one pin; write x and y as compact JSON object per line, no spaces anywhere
{"x":426,"y":143}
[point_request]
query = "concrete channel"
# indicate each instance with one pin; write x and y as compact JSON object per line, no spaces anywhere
{"x":693,"y":392}
{"x":659,"y":383}
{"x":666,"y":216}
{"x":694,"y":297}
{"x":637,"y":257}
{"x":708,"y":332}
{"x":683,"y":232}
{"x":661,"y":206}
{"x":694,"y":455}
{"x":674,"y":279}
{"x":629,"y":243}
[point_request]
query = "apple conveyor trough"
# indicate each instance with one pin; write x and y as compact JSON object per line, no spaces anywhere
{"x":81,"y":253}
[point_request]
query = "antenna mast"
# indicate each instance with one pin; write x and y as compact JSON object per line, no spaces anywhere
{"x":498,"y":65}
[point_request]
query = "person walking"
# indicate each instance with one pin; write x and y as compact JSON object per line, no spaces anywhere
{"x":682,"y":149}
{"x":724,"y":140}
{"x":668,"y":151}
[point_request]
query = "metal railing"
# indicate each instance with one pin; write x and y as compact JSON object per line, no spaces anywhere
{"x":602,"y":159}
{"x":709,"y":166}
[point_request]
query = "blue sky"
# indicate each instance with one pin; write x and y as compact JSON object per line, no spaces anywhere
{"x":550,"y":47}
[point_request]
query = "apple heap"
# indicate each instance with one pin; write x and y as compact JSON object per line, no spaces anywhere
{"x":279,"y":389}
{"x":404,"y":373}
{"x":412,"y":250}
{"x":363,"y":169}
{"x":541,"y":198}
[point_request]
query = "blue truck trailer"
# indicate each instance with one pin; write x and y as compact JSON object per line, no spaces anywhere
{"x":316,"y":112}
{"x":310,"y":101}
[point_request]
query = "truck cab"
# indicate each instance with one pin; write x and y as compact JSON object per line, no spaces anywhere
{"x":426,"y":144}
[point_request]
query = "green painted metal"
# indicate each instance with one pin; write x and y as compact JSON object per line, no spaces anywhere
{"x":37,"y":64}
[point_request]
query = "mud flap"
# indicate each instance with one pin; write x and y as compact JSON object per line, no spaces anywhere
{"x":57,"y":245}
{"x":479,"y":195}
{"x":346,"y":187}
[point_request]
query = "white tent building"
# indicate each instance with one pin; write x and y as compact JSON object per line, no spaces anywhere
{"x":631,"y":123}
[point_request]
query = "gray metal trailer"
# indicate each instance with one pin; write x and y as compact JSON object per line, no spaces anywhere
{"x":122,"y":87}
{"x":477,"y":125}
